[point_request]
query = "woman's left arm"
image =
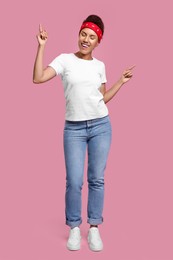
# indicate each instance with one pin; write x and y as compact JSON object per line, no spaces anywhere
{"x":109,"y":94}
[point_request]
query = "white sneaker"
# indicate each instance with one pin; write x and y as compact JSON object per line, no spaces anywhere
{"x":74,"y":239}
{"x":94,"y":239}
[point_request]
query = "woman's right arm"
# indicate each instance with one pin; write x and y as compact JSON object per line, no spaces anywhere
{"x":40,"y":74}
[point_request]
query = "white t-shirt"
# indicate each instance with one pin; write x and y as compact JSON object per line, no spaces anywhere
{"x":81,"y":80}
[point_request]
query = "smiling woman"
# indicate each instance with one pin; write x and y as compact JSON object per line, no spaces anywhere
{"x":87,"y":124}
{"x":90,"y":35}
{"x":88,"y":40}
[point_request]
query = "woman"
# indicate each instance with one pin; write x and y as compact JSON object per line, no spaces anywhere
{"x":87,"y":124}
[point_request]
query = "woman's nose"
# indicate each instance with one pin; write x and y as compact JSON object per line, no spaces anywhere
{"x":86,"y":39}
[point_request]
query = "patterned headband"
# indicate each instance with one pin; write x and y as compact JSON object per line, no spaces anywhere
{"x":93,"y":27}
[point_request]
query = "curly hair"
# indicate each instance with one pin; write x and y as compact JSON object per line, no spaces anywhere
{"x":95,"y":19}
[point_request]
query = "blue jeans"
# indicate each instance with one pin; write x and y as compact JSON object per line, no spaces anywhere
{"x":95,"y":135}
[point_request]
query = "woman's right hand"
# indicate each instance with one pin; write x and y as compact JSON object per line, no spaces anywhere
{"x":42,"y":36}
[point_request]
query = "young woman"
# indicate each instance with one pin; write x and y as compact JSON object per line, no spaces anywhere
{"x":87,"y":124}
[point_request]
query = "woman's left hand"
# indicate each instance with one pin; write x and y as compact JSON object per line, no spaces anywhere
{"x":127,"y":74}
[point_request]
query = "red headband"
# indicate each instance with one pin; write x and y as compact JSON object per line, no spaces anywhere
{"x":93,"y":27}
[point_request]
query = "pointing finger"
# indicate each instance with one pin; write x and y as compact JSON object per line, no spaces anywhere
{"x":40,"y":28}
{"x":132,"y":67}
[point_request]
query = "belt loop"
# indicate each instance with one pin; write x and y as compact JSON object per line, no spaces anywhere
{"x":89,"y":122}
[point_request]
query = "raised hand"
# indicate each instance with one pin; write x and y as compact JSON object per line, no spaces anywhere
{"x":42,"y":35}
{"x":127,"y":75}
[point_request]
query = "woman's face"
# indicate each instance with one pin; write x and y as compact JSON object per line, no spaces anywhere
{"x":88,"y":40}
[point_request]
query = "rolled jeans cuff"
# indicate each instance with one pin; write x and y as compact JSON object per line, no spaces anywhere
{"x":73,"y":224}
{"x":94,"y":221}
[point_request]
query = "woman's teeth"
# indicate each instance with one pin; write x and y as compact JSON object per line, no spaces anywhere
{"x":84,"y":45}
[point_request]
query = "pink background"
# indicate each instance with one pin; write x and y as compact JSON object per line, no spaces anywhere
{"x":138,"y":201}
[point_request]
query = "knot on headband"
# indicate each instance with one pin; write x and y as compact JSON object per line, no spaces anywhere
{"x":93,"y":27}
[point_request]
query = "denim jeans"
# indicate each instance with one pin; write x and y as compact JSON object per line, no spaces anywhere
{"x":94,"y":136}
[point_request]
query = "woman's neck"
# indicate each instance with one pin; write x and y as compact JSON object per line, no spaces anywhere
{"x":84,"y":56}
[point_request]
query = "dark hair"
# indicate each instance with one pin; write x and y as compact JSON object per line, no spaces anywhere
{"x":95,"y":19}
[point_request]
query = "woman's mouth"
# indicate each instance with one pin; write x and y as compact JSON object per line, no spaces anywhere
{"x":84,"y":45}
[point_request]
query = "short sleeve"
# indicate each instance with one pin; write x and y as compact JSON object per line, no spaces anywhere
{"x":103,"y":74}
{"x":58,"y":64}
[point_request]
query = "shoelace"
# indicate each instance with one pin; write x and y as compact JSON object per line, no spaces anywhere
{"x":96,"y":235}
{"x":75,"y":233}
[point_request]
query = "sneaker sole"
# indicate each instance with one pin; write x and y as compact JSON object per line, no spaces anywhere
{"x":73,"y":248}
